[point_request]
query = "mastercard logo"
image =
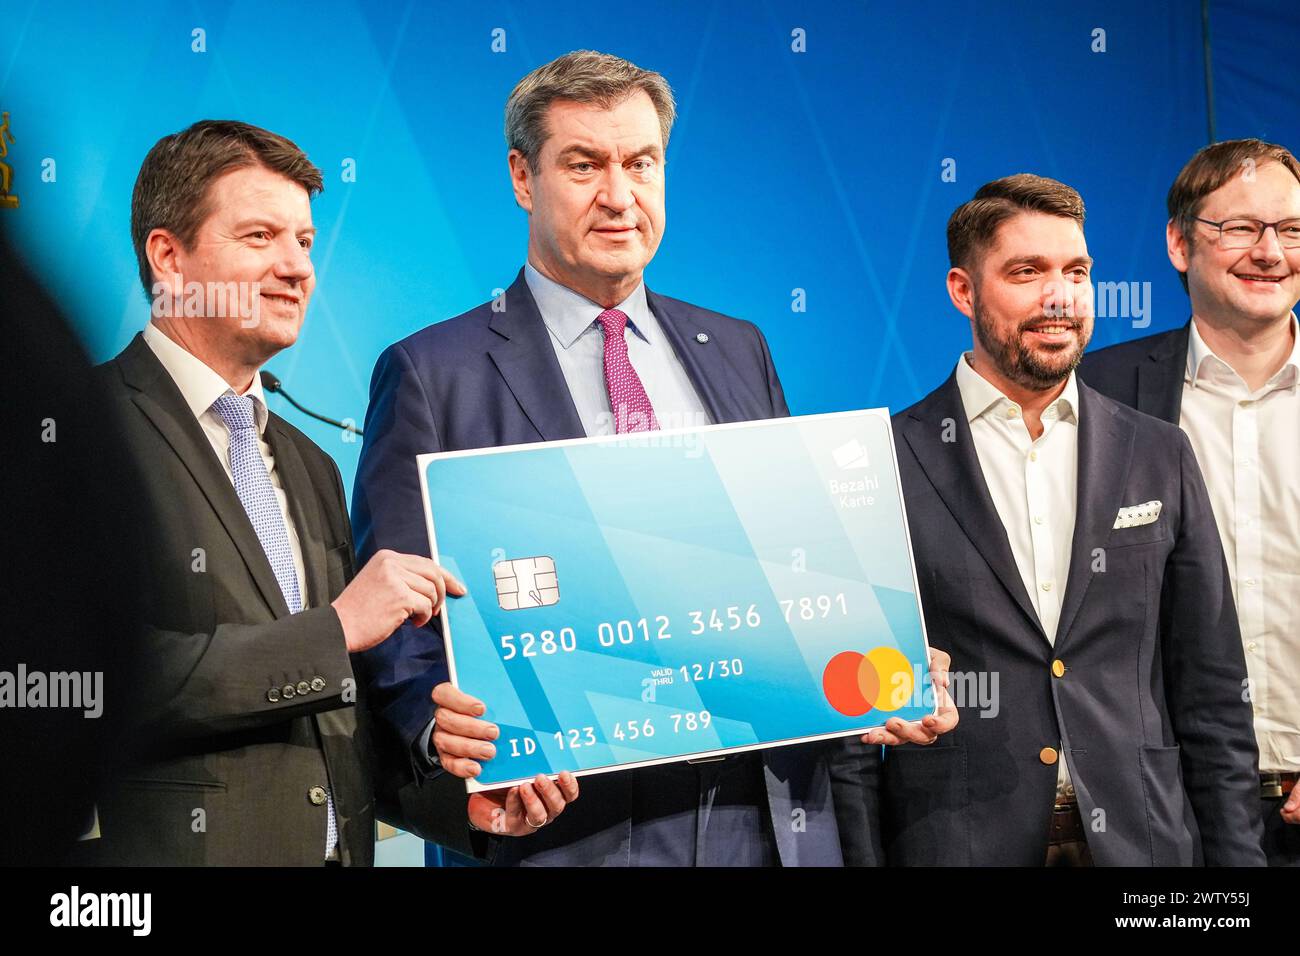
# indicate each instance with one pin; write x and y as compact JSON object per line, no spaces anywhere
{"x":877,"y":680}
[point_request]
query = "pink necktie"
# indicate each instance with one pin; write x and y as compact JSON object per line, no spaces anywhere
{"x":627,"y":398}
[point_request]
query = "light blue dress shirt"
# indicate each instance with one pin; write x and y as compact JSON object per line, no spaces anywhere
{"x":579,"y":344}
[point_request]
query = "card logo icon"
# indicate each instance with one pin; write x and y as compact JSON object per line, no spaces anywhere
{"x":526,"y":582}
{"x":880,"y":679}
{"x":851,"y":454}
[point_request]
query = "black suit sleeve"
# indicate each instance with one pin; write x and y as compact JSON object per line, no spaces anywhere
{"x":199,"y":684}
{"x":1205,"y":673}
{"x":855,"y":770}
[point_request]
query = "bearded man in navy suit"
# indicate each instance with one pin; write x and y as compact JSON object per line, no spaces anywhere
{"x":1066,"y":547}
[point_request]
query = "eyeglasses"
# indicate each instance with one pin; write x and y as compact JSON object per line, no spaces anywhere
{"x":1244,"y":233}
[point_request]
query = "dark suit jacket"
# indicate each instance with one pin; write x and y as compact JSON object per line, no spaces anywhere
{"x":1149,"y":712}
{"x":1146,"y":373}
{"x":220,"y":638}
{"x":491,"y":378}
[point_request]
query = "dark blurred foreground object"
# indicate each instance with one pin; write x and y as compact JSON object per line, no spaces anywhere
{"x":68,"y":602}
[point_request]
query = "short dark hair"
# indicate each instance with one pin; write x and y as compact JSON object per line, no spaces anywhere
{"x":974,"y":223}
{"x":1210,"y":169}
{"x":171,"y":191}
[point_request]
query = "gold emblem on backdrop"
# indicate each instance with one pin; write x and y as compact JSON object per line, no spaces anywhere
{"x":8,"y":199}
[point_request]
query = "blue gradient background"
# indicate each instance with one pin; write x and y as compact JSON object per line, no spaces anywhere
{"x":819,"y":171}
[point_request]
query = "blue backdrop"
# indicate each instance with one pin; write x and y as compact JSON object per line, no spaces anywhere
{"x":820,"y":171}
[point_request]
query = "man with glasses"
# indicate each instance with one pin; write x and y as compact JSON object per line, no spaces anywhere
{"x":1231,"y":378}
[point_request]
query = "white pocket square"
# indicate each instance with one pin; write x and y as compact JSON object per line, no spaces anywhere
{"x":1136,"y":515}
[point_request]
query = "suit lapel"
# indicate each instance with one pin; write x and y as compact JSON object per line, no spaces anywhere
{"x":159,"y":399}
{"x":706,"y":365}
{"x":1160,"y":377}
{"x":527,"y":362}
{"x":338,"y":727}
{"x":953,"y":468}
{"x":1105,"y":454}
{"x":303,"y":508}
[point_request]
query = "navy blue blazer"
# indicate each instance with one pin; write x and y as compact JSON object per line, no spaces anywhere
{"x":1149,"y":712}
{"x":1146,"y":373}
{"x":490,"y":377}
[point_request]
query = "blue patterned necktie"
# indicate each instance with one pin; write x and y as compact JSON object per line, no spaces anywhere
{"x":257,"y":494}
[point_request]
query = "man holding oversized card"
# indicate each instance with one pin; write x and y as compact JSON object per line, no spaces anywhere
{"x":246,"y":724}
{"x":578,"y":346}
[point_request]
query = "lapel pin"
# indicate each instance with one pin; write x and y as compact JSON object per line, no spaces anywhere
{"x":702,"y":338}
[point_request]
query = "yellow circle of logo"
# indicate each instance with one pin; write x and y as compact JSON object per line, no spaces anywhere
{"x":894,"y":679}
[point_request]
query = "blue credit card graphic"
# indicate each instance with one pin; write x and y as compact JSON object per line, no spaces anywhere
{"x":672,"y":595}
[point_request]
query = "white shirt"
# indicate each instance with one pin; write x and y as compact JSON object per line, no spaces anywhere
{"x":1034,"y":483}
{"x":579,"y":344}
{"x":200,"y":386}
{"x":1034,"y":486}
{"x":1248,"y":447}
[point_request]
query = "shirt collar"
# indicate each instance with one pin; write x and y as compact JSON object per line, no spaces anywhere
{"x":568,"y":314}
{"x":979,"y":395}
{"x":199,"y":385}
{"x":1197,"y":352}
{"x":1292,"y":366}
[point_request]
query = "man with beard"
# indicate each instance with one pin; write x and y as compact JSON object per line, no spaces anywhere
{"x":1065,"y":546}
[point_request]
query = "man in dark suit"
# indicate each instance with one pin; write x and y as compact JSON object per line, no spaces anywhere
{"x":578,"y":346}
{"x":252,"y":750}
{"x":1065,"y":549}
{"x":1230,"y":378}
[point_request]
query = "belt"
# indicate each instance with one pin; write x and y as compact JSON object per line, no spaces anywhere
{"x":1067,"y":824}
{"x":1277,"y":784}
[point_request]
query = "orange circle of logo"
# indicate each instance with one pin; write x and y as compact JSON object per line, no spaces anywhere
{"x":841,"y":685}
{"x":856,"y":683}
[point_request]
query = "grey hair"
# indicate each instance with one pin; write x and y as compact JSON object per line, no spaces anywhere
{"x":583,"y":76}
